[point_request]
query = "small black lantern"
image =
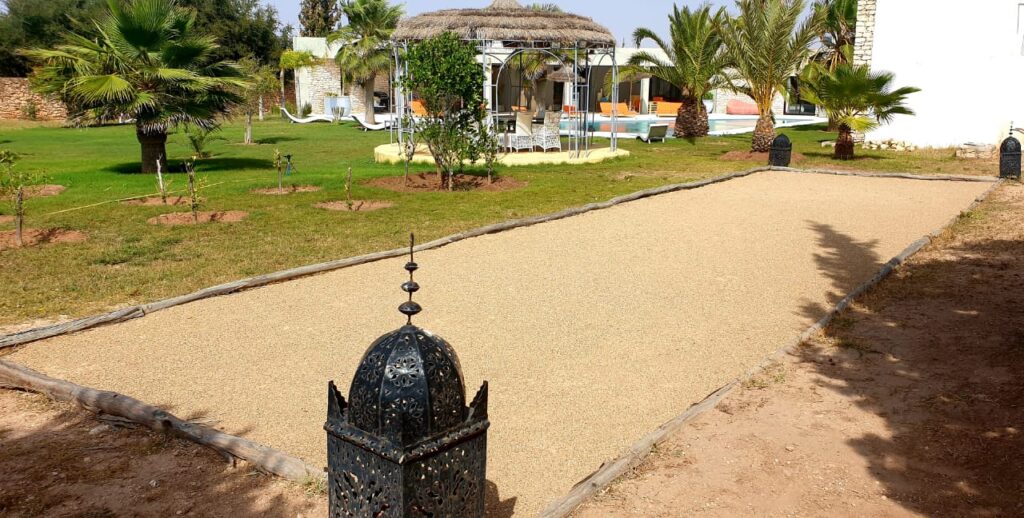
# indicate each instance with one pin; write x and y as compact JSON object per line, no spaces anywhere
{"x":406,"y":444}
{"x":1009,"y":158}
{"x":781,"y":152}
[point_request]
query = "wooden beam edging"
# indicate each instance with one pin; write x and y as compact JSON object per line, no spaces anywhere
{"x":610,"y":471}
{"x":130,"y":313}
{"x":263,"y":457}
{"x":121,"y":315}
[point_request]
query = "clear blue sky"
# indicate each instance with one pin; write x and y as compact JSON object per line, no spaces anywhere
{"x":620,"y":17}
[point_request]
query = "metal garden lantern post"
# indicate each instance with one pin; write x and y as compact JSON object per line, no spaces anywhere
{"x":781,"y":152}
{"x":405,"y":443}
{"x":1009,"y":159}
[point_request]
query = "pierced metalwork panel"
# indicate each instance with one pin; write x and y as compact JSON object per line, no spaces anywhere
{"x":449,"y":484}
{"x":362,"y":485}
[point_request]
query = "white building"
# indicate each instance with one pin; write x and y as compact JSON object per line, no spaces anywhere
{"x":967,"y":58}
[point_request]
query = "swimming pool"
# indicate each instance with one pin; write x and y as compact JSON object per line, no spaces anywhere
{"x":720,"y":124}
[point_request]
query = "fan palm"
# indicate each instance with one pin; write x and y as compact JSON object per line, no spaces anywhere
{"x":767,"y":43}
{"x":366,"y":51}
{"x":147,"y":63}
{"x":696,"y":60}
{"x":858,"y":100}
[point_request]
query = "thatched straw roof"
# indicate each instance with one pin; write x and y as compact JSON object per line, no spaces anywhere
{"x":507,"y":20}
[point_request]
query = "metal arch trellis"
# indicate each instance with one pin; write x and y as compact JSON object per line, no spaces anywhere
{"x":580,"y":123}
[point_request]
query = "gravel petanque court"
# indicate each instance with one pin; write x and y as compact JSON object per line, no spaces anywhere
{"x":592,"y":330}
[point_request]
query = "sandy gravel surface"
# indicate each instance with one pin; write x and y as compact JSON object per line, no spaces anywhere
{"x":592,"y":330}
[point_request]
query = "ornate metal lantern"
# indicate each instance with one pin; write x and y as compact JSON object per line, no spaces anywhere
{"x":781,"y":153}
{"x":406,"y":444}
{"x":1009,"y":158}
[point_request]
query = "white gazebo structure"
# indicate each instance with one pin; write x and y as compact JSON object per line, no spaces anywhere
{"x":506,"y":30}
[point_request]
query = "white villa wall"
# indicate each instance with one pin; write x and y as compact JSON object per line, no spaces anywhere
{"x":967,"y":59}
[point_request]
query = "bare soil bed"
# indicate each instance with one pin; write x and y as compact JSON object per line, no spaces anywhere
{"x":157,"y":201}
{"x":185,"y":218}
{"x":44,"y":191}
{"x":908,"y":405}
{"x":751,"y":156}
{"x":357,"y":205}
{"x":6,"y":219}
{"x":420,"y":182}
{"x":692,"y":288}
{"x":288,"y":189}
{"x":36,"y":237}
{"x":57,"y":460}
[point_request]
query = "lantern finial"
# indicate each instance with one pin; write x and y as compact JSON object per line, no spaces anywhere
{"x":410,"y":308}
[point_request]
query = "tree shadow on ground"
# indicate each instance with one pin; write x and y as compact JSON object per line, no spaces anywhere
{"x":857,"y":158}
{"x":205,"y":165}
{"x":59,"y":460}
{"x":496,"y":507}
{"x":275,"y":140}
{"x":845,"y":261}
{"x":936,"y":352}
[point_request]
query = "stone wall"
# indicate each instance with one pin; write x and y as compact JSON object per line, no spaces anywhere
{"x":865,"y":39}
{"x":358,"y":97}
{"x":17,"y":100}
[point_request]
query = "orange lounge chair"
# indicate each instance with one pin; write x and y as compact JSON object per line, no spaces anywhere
{"x":622,"y":108}
{"x":417,"y":108}
{"x":666,"y":109}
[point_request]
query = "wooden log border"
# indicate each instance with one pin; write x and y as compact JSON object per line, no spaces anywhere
{"x":130,"y":313}
{"x":610,"y":471}
{"x":14,"y":376}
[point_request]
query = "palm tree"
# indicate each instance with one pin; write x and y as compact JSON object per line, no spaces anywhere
{"x":365,"y":50}
{"x":262,"y":82}
{"x":147,"y":63}
{"x":767,"y":43}
{"x":837,"y":31}
{"x":858,"y":100}
{"x":696,"y":60}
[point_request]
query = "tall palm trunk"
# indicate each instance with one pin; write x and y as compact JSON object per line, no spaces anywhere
{"x":692,"y":119}
{"x":369,"y":86}
{"x":844,"y":144}
{"x":154,"y":148}
{"x":764,"y":134}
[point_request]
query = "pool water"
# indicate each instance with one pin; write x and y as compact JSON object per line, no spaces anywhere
{"x":720,"y":126}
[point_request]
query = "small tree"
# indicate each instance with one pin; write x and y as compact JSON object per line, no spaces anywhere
{"x":856,"y":98}
{"x":262,"y":82}
{"x":444,"y":74}
{"x":12,"y":187}
{"x":279,"y":165}
{"x":193,"y":189}
{"x":488,"y":148}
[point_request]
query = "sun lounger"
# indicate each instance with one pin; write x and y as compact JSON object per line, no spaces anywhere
{"x":307,"y":120}
{"x":667,"y":109}
{"x":623,"y":109}
{"x":371,"y":127}
{"x":657,"y":132}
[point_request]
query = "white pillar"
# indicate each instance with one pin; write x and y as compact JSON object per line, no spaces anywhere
{"x":645,"y":94}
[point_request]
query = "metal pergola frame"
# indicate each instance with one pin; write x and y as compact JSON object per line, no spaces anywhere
{"x":585,"y":57}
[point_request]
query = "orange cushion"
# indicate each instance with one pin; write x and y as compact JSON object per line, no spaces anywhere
{"x":418,"y":108}
{"x":666,"y":109}
{"x":737,"y":107}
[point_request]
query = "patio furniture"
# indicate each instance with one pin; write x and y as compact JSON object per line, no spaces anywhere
{"x":667,"y":109}
{"x":550,"y":137}
{"x":371,"y":127}
{"x":523,"y":139}
{"x":307,"y":120}
{"x":418,"y":109}
{"x":623,"y":109}
{"x":657,"y":132}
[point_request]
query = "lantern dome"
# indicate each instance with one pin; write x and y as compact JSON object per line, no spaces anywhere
{"x":408,"y":387}
{"x":1010,"y":145}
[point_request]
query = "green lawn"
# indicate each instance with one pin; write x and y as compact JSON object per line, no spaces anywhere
{"x":126,"y":261}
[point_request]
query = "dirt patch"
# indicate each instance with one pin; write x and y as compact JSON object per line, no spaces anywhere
{"x":292,"y":189}
{"x":36,"y":237}
{"x":429,"y":182}
{"x":907,"y":405}
{"x":751,"y":156}
{"x":185,"y":218}
{"x":357,"y":205}
{"x":6,"y":219}
{"x":57,"y":460}
{"x":155,"y":201}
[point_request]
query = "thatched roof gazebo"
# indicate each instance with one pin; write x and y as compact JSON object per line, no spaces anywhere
{"x":507,"y":21}
{"x":505,"y":30}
